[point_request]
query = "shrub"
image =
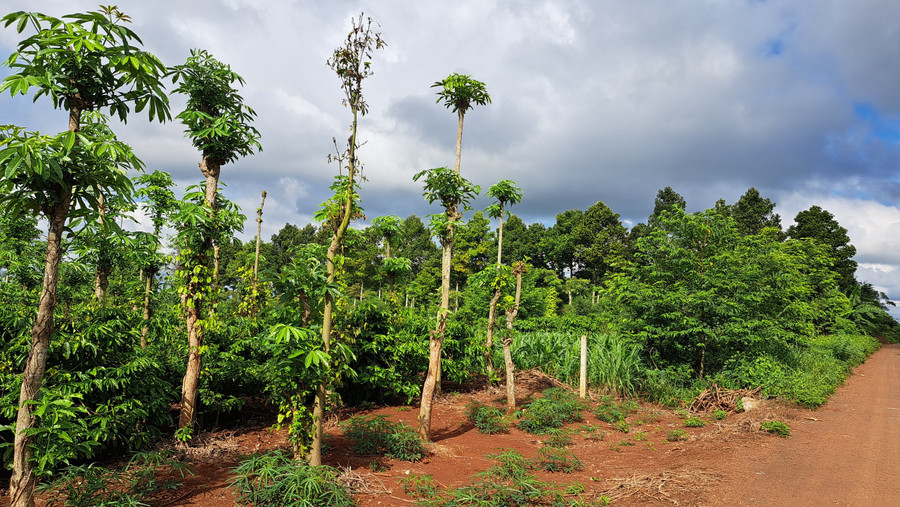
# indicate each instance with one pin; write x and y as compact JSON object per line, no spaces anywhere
{"x":694,"y":422}
{"x":612,"y":412}
{"x":554,"y":459}
{"x":677,"y":435}
{"x":720,"y":414}
{"x":376,"y":435}
{"x":558,"y":438}
{"x":90,"y":485}
{"x":487,"y":419}
{"x":555,"y":408}
{"x":776,"y":427}
{"x":419,"y":486}
{"x":276,"y":479}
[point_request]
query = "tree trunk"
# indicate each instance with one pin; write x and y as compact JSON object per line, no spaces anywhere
{"x":23,"y":480}
{"x":436,"y":342}
{"x":145,"y":327}
{"x":259,"y":213}
{"x":489,"y":343}
{"x":507,"y":342}
{"x":190,"y":385}
{"x":459,"y":129}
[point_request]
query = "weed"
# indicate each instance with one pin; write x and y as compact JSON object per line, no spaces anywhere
{"x":557,"y":460}
{"x":694,"y":422}
{"x":592,"y":433}
{"x":419,"y":486}
{"x":677,"y":435}
{"x":89,"y":485}
{"x":558,"y":438}
{"x":376,"y":435}
{"x":489,"y":420}
{"x":682,"y":413}
{"x":720,"y":415}
{"x":613,"y":412}
{"x":776,"y":427}
{"x":640,"y":436}
{"x":649,"y":418}
{"x":622,"y":426}
{"x":555,"y":408}
{"x":622,"y":443}
{"x":276,"y":479}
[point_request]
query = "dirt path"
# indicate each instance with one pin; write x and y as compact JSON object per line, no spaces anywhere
{"x":845,"y":453}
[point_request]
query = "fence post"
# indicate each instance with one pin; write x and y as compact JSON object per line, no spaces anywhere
{"x":583,"y":379}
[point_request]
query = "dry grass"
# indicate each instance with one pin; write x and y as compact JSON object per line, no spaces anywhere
{"x":660,"y":486}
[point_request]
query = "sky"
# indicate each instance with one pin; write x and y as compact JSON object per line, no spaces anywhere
{"x":596,"y":100}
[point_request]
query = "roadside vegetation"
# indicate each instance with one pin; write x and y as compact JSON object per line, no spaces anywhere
{"x":103,"y":333}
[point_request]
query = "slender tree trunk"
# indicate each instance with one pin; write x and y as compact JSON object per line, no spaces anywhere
{"x":436,"y":342}
{"x":489,"y":343}
{"x":507,"y":342}
{"x":23,"y":481}
{"x":101,"y":274}
{"x":459,"y":130}
{"x":259,"y":213}
{"x":145,"y":327}
{"x":190,"y":386}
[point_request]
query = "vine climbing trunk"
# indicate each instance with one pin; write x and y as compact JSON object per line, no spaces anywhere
{"x":23,"y":480}
{"x":190,"y":386}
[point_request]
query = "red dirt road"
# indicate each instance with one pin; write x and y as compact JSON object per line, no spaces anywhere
{"x":845,"y":453}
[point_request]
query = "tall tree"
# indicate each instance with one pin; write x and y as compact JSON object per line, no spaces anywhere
{"x":599,"y":240}
{"x":667,"y":200}
{"x":752,"y":213}
{"x":388,"y":227}
{"x":820,"y":225}
{"x":452,"y":190}
{"x":82,"y":62}
{"x":459,"y":94}
{"x":352,"y":62}
{"x":219,"y":125}
{"x":505,"y":192}
{"x":559,"y":242}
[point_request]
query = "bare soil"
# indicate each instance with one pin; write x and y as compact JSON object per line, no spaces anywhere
{"x":845,"y":453}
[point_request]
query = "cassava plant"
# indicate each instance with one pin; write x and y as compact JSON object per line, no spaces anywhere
{"x":82,"y":62}
{"x":352,"y":62}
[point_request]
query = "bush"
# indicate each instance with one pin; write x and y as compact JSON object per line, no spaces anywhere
{"x":776,"y":427}
{"x":276,"y":479}
{"x":376,"y":435}
{"x":555,"y":408}
{"x":677,"y":435}
{"x":612,"y":412}
{"x":489,"y":420}
{"x":553,"y":459}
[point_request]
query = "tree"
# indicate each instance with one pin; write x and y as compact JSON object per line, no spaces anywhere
{"x":81,"y":62}
{"x":388,"y":227}
{"x":667,"y":200}
{"x":559,"y":242}
{"x":160,"y":204}
{"x":752,"y":213}
{"x":352,"y":63}
{"x":820,"y":225}
{"x":461,"y":93}
{"x":218,"y":123}
{"x":599,"y":241}
{"x":504,"y":192}
{"x":452,"y":190}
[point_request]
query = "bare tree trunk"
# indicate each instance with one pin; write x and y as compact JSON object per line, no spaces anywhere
{"x":489,"y":343}
{"x":459,"y":130}
{"x":436,"y":343}
{"x":23,"y":481}
{"x":507,"y":341}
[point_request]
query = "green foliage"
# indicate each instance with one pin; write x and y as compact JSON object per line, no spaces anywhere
{"x":677,"y":435}
{"x":776,"y":427}
{"x":275,"y":479}
{"x":558,"y":438}
{"x":376,"y":435}
{"x":720,"y":415}
{"x":91,"y":58}
{"x":420,"y":486}
{"x":612,"y":411}
{"x":555,"y":408}
{"x":694,"y":422}
{"x":460,"y":92}
{"x":93,"y":485}
{"x":555,"y":459}
{"x":489,"y":420}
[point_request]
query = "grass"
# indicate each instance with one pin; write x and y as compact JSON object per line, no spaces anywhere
{"x":277,"y":479}
{"x":776,"y":427}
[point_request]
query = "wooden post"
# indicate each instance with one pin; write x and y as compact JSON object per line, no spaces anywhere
{"x":582,"y":388}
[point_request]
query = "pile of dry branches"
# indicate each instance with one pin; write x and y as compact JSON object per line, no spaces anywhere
{"x":718,"y":398}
